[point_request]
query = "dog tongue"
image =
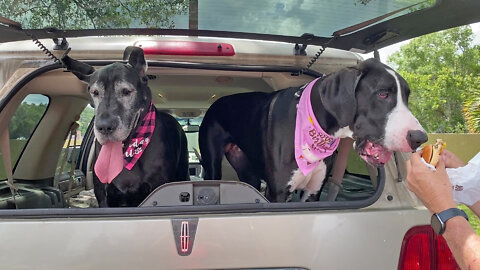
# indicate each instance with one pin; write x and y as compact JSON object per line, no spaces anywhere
{"x":109,"y":162}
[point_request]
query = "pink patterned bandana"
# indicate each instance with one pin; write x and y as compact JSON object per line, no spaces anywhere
{"x":140,"y":139}
{"x":110,"y":161}
{"x":312,"y":144}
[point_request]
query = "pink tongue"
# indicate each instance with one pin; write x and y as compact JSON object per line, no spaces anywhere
{"x":109,"y":162}
{"x":380,"y":151}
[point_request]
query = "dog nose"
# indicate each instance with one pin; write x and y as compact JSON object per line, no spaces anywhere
{"x":415,"y":138}
{"x":106,"y":126}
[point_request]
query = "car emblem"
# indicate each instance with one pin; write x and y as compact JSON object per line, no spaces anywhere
{"x":184,"y":231}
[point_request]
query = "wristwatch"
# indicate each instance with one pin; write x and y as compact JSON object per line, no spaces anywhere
{"x":438,"y":221}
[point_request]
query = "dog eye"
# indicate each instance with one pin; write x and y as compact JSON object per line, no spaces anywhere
{"x":95,"y":93}
{"x":126,"y":92}
{"x":383,"y":95}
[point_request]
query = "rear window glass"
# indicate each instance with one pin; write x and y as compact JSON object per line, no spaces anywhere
{"x":277,"y":17}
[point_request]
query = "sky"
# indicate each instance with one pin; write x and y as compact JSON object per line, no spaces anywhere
{"x":387,"y":51}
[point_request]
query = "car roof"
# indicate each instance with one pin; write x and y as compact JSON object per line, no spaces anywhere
{"x":359,"y":26}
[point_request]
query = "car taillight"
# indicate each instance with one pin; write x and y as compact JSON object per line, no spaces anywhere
{"x":192,"y":48}
{"x":445,"y":260}
{"x":422,"y":249}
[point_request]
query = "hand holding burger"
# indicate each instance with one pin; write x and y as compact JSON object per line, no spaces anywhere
{"x":431,"y":152}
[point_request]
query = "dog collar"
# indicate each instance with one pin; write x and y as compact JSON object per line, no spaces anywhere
{"x":312,"y":143}
{"x":140,"y":138}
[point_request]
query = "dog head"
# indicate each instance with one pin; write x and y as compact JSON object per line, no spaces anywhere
{"x":369,"y":103}
{"x":118,"y":92}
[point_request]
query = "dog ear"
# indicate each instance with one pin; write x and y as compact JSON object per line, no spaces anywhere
{"x":337,"y":93}
{"x":79,"y":69}
{"x":136,"y":58}
{"x":368,"y":64}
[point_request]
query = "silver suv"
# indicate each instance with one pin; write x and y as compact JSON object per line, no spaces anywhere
{"x":49,"y":218}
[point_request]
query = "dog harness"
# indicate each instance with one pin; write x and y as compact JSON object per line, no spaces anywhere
{"x":112,"y":159}
{"x":312,"y":143}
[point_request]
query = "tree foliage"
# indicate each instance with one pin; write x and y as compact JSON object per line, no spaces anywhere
{"x":79,"y":14}
{"x":471,"y":109}
{"x":26,"y":119}
{"x":85,"y":119}
{"x":443,"y":72}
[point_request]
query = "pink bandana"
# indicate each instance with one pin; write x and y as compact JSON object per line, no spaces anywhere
{"x":312,"y":144}
{"x":110,"y":161}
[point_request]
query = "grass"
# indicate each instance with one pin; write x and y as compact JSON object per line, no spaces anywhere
{"x":474,"y":220}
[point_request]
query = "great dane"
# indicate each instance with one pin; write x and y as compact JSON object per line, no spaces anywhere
{"x":257,"y":131}
{"x":137,"y":147}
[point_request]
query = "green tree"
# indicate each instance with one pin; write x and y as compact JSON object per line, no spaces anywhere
{"x":471,"y":108}
{"x":85,"y":119}
{"x":78,"y":14}
{"x":443,"y":72}
{"x":25,"y":120}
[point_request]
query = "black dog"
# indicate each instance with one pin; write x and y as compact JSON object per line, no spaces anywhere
{"x":256,"y":131}
{"x":137,"y":148}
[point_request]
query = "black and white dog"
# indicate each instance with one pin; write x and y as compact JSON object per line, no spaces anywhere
{"x":256,"y":131}
{"x":137,"y":147}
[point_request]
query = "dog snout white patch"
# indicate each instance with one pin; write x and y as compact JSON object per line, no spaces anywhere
{"x":399,"y":122}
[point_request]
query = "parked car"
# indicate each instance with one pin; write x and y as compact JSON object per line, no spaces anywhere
{"x":375,"y":223}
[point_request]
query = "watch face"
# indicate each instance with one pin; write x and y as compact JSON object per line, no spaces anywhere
{"x":437,"y":224}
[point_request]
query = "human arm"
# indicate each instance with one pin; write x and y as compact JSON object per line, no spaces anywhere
{"x":475,"y":208}
{"x":451,"y":160}
{"x":433,"y":188}
{"x":463,"y":242}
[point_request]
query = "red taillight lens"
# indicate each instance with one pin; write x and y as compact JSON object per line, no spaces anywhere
{"x":192,"y":48}
{"x":422,"y":249}
{"x":445,"y":258}
{"x":417,"y":249}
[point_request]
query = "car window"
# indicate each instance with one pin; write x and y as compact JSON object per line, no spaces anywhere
{"x":23,"y":124}
{"x":85,"y":118}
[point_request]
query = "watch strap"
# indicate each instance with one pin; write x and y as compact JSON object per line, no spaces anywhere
{"x":450,"y":213}
{"x":439,"y":220}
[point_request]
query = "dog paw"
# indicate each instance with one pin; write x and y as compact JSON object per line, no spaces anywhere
{"x":306,"y":195}
{"x":296,"y":181}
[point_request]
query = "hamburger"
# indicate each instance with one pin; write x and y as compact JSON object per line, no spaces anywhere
{"x":431,"y":152}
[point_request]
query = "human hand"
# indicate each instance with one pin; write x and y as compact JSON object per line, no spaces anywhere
{"x":433,"y":188}
{"x":451,"y":160}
